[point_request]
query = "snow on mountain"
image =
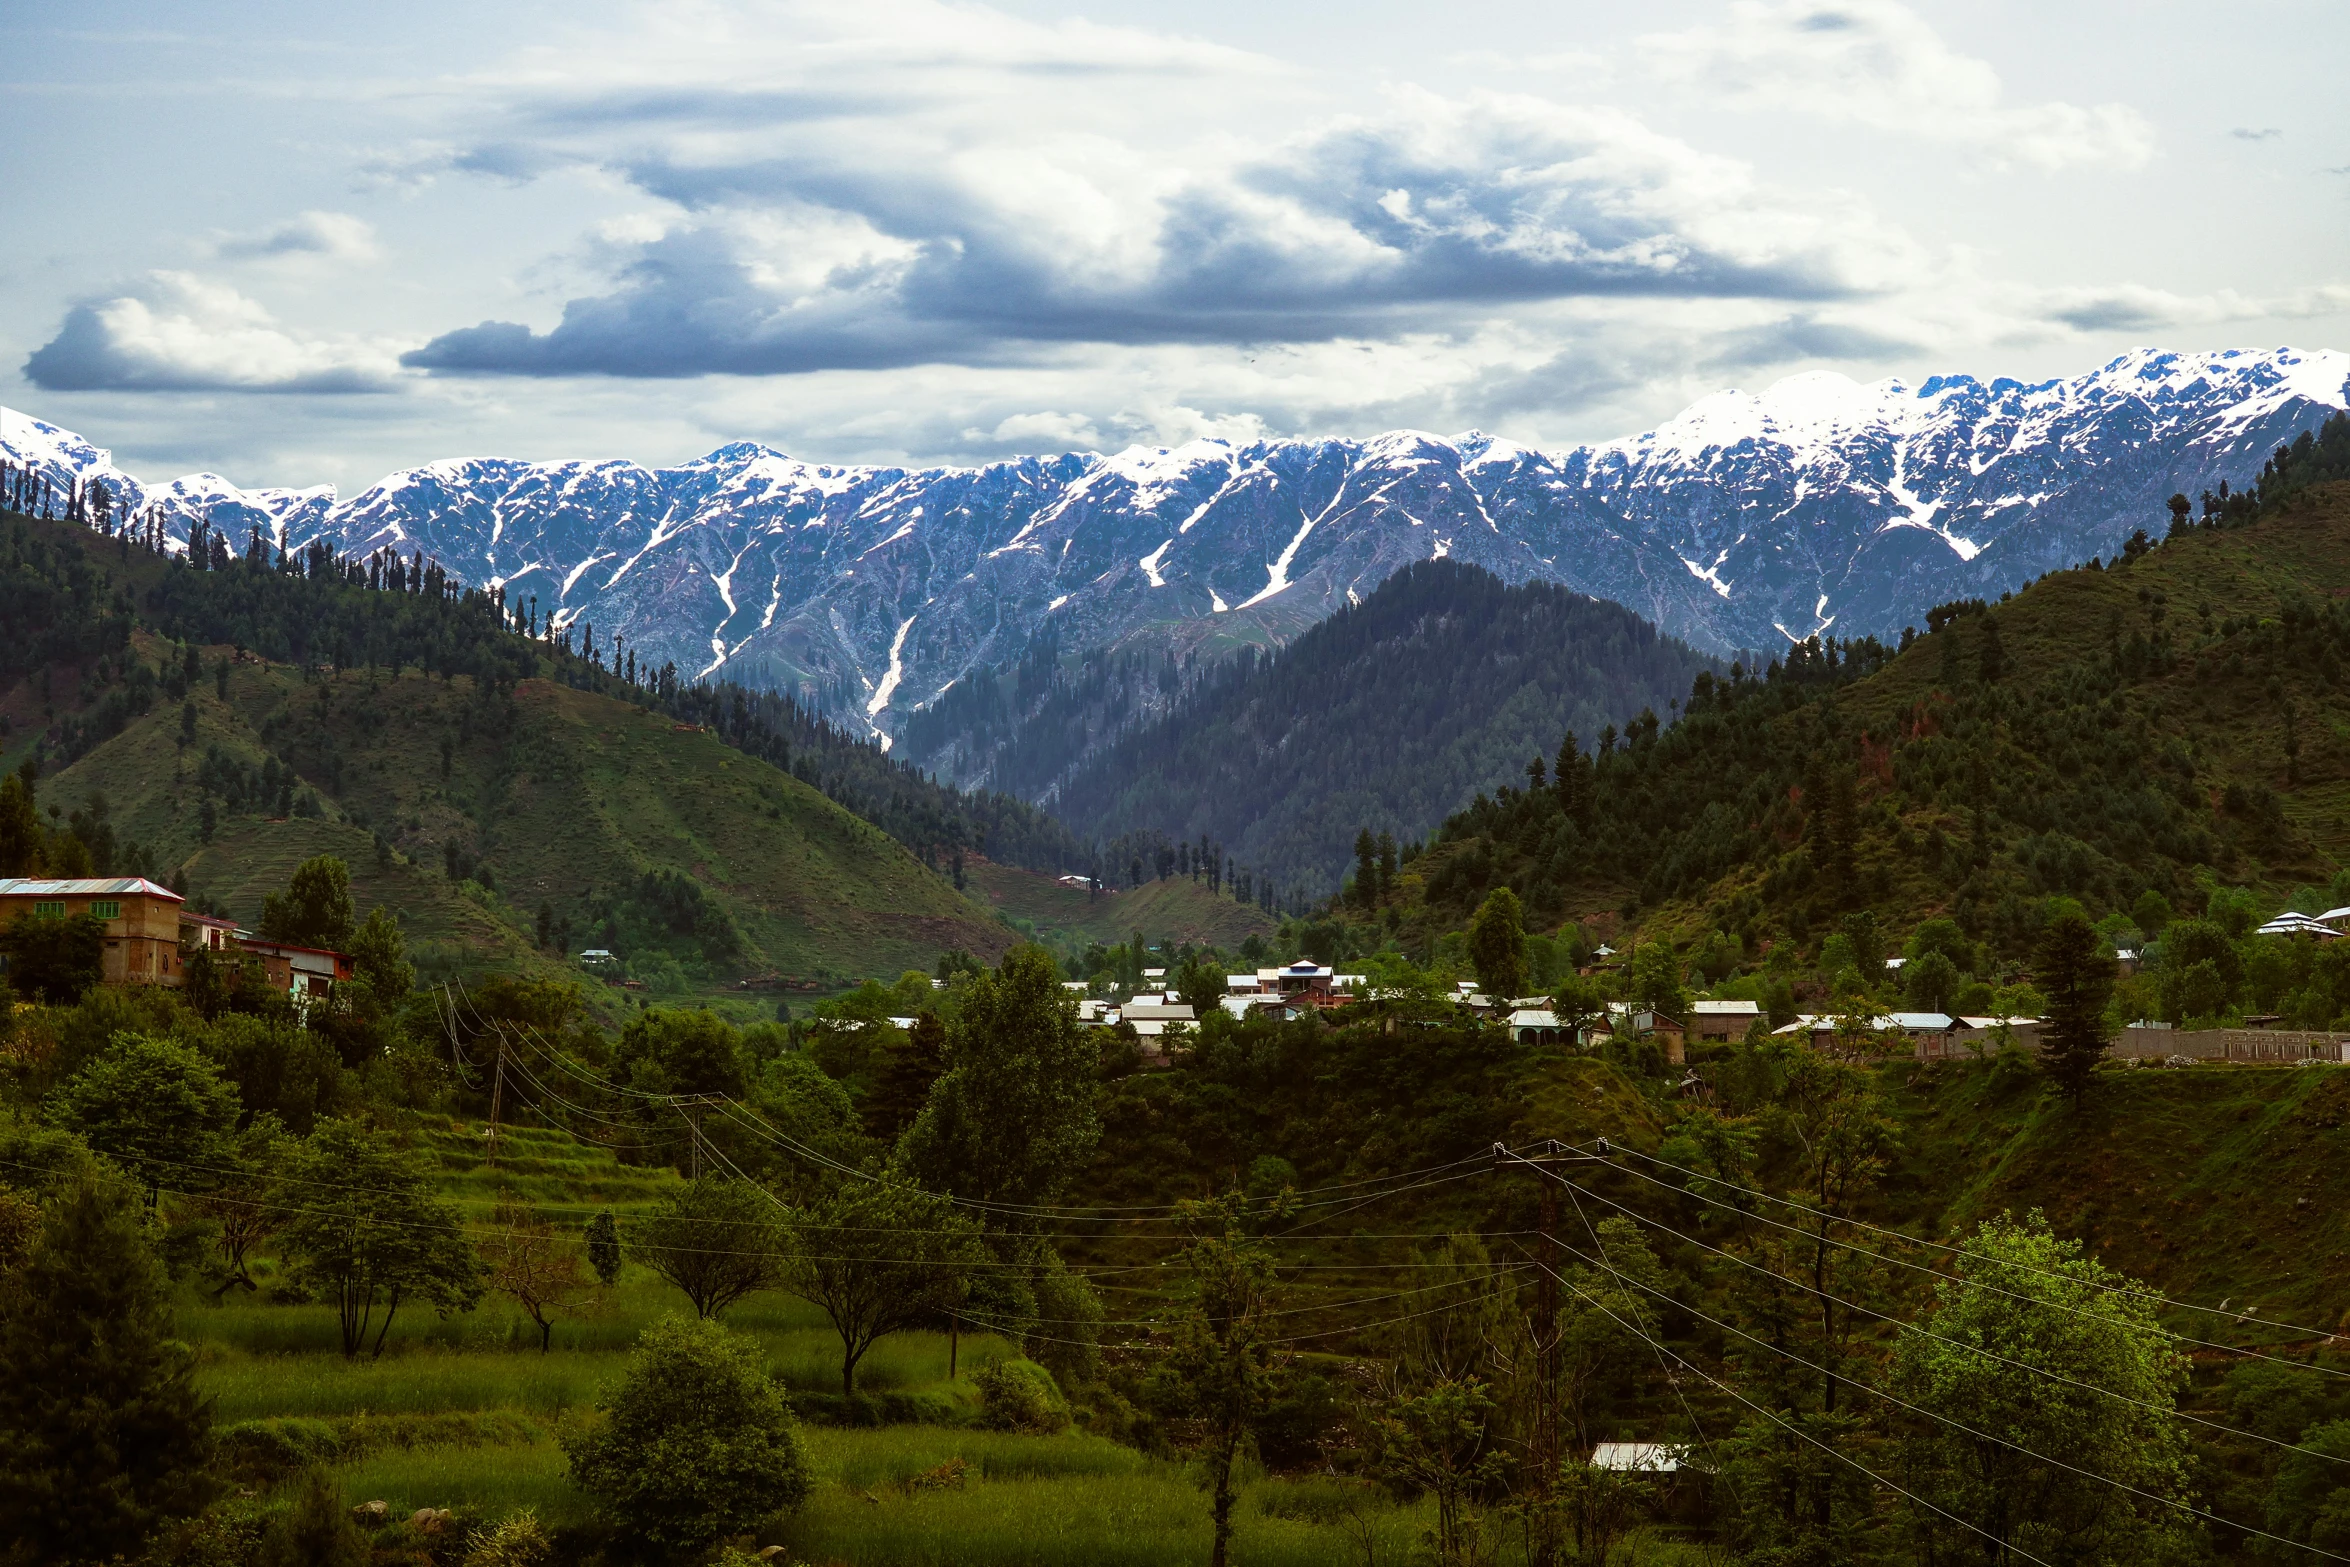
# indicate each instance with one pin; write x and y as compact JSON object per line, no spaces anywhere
{"x":1818,"y":505}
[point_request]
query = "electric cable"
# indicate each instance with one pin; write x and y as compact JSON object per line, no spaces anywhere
{"x":1956,"y":1425}
{"x":1931,"y":1272}
{"x":2141,"y":1293}
{"x":1910,"y":1327}
{"x":1775,"y":1419}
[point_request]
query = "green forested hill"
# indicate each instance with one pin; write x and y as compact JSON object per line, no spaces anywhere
{"x":2171,"y":722}
{"x":1386,"y":716}
{"x":508,"y":815}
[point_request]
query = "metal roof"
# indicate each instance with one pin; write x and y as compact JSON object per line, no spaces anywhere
{"x":85,"y":887}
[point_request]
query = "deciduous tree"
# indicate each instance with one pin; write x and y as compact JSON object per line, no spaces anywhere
{"x":367,"y":1235}
{"x":717,"y":1239}
{"x":1220,"y":1376}
{"x":695,"y":1443}
{"x":1012,"y":1120}
{"x":315,"y":909}
{"x":156,"y":1107}
{"x":1497,"y":945}
{"x":524,"y":1259}
{"x":879,"y":1257}
{"x":2047,"y":1385}
{"x":55,"y":960}
{"x":237,"y":1200}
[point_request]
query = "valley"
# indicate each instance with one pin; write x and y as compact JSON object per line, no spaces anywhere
{"x":651,"y":1046}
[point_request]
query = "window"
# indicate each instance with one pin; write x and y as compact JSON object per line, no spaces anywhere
{"x":49,"y":911}
{"x":106,"y":909}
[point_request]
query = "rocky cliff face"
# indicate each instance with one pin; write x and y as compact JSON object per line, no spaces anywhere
{"x":1820,"y":505}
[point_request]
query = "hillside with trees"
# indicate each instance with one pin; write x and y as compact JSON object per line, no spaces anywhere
{"x":1388,"y":716}
{"x":515,"y":792}
{"x":2150,"y":739}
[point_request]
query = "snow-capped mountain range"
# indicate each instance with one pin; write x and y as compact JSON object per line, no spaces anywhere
{"x":1819,"y":505}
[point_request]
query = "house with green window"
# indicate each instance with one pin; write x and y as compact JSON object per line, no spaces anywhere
{"x":141,"y":920}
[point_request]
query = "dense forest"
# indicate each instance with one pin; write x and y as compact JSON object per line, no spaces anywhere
{"x":1388,"y":715}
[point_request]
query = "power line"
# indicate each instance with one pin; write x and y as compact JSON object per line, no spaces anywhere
{"x":1833,"y":1452}
{"x":1936,"y":1273}
{"x":1956,"y":1425}
{"x":735,"y":1110}
{"x":2143,"y":1294}
{"x":1911,"y":1327}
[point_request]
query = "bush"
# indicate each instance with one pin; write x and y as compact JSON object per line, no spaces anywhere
{"x":516,"y":1540}
{"x":696,"y":1443}
{"x":260,"y":1452}
{"x":315,"y":1532}
{"x":897,"y":1407}
{"x":1020,"y":1395}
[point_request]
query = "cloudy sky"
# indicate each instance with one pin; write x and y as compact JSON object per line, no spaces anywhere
{"x":295,"y":243}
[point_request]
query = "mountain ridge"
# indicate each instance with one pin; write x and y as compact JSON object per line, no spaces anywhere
{"x":1818,"y":505}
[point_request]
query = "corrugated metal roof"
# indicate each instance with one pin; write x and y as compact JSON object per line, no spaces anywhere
{"x":84,"y":887}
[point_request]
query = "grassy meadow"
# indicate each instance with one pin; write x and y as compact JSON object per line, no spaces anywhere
{"x":1177,"y":909}
{"x":464,"y":1412}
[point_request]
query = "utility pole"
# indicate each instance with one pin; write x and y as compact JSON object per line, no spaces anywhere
{"x":497,"y":1096}
{"x":693,"y":1105}
{"x":1543,"y":1542}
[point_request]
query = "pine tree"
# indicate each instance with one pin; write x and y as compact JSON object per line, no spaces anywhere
{"x":603,"y":1247}
{"x":1843,"y":835}
{"x":902,"y":1086}
{"x":103,"y":1437}
{"x":1573,"y":775}
{"x":2077,"y":978}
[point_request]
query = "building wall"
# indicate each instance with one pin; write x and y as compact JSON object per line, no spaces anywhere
{"x":142,"y":939}
{"x":2230,"y":1044}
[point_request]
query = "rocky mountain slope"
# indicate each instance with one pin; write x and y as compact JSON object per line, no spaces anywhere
{"x":1820,"y":505}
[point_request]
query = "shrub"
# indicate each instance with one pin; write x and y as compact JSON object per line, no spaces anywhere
{"x":315,"y":1532}
{"x":516,"y":1540}
{"x":696,"y":1443}
{"x":1020,"y":1395}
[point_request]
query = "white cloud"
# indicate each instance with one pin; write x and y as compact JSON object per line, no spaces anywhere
{"x":178,"y":332}
{"x":308,"y":236}
{"x":1877,"y":63}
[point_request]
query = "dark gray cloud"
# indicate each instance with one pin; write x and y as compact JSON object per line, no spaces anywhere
{"x":1799,"y":337}
{"x":1371,"y":229}
{"x":2121,"y":312}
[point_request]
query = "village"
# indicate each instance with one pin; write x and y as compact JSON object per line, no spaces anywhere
{"x":151,"y":937}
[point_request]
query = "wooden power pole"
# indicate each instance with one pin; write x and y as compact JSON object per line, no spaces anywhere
{"x":1547,"y":1449}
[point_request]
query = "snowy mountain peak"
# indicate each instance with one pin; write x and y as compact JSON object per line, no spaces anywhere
{"x":1819,"y":502}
